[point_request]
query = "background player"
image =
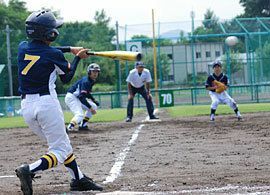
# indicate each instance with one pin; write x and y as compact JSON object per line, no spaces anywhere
{"x":139,"y":82}
{"x":76,"y":99}
{"x":38,"y":65}
{"x":223,"y":97}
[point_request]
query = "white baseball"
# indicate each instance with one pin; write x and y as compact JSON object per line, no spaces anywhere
{"x":231,"y":40}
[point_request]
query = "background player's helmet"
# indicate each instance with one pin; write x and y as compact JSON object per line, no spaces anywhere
{"x":217,"y":63}
{"x":93,"y":66}
{"x":42,"y":25}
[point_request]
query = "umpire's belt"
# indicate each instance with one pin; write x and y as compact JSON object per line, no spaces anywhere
{"x":23,"y":96}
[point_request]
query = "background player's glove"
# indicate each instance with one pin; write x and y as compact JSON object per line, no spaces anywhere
{"x":96,"y":102}
{"x":220,"y":86}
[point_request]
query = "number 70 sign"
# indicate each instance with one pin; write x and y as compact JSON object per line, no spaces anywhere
{"x":166,"y":99}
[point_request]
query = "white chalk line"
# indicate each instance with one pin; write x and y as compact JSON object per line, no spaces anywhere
{"x":116,"y":169}
{"x":226,"y":189}
{"x":7,"y":176}
{"x":120,"y":160}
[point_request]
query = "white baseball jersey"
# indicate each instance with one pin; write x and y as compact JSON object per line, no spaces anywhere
{"x":137,"y":80}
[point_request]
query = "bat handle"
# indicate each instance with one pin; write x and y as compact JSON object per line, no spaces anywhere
{"x":90,"y":53}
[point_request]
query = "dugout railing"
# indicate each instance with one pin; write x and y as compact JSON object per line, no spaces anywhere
{"x":256,"y":93}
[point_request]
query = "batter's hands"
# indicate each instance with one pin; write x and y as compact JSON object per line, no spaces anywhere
{"x":75,"y":50}
{"x":83,"y":53}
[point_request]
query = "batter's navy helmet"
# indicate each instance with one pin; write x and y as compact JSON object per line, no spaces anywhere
{"x":217,"y":63}
{"x":93,"y":66}
{"x":42,"y":25}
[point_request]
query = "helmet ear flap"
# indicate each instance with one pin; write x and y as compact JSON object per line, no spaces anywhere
{"x":51,"y":35}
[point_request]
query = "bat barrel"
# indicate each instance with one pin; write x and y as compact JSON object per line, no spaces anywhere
{"x":120,"y":55}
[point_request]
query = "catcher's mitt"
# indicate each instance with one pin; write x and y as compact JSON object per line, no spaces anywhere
{"x":220,"y":86}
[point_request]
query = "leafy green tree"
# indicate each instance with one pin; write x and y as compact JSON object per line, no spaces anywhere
{"x":258,"y":8}
{"x":209,"y":26}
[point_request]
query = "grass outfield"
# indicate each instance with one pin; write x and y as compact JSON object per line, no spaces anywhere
{"x":197,"y":110}
{"x":120,"y":114}
{"x":102,"y":116}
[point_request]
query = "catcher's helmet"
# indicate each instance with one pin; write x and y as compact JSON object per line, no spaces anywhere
{"x":217,"y":63}
{"x":93,"y":66}
{"x":42,"y":25}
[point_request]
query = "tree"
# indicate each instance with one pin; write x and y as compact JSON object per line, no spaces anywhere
{"x":258,"y":8}
{"x":209,"y":26}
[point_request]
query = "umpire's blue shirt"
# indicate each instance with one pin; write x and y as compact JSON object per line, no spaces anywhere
{"x":38,"y":66}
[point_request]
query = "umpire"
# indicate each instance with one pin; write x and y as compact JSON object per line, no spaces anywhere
{"x":139,"y":82}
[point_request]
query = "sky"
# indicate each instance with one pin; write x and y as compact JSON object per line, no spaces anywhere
{"x":173,"y":15}
{"x":128,"y":12}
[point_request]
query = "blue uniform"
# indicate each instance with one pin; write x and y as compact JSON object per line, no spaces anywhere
{"x":82,"y":86}
{"x":221,"y":78}
{"x":77,"y":102}
{"x":37,"y":65}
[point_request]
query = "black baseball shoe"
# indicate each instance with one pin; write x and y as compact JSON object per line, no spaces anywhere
{"x":84,"y":128}
{"x":84,"y":184}
{"x":26,"y":177}
{"x":128,"y":119}
{"x":153,"y":117}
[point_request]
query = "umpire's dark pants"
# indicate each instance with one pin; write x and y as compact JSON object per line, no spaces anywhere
{"x":148,"y":101}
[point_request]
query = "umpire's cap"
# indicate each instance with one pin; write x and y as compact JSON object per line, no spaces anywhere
{"x":139,"y":64}
{"x":217,"y":63}
{"x":93,"y":66}
{"x":42,"y":25}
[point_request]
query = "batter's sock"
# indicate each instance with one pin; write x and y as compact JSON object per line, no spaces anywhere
{"x":236,"y":110}
{"x":213,"y":111}
{"x":71,"y":164}
{"x":47,"y":161}
{"x":84,"y":122}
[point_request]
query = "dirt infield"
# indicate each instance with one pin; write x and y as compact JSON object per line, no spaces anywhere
{"x":174,"y":156}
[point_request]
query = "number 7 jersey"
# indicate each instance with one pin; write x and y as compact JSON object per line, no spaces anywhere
{"x":38,"y":65}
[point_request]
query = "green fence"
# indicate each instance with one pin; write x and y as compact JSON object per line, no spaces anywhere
{"x":10,"y":106}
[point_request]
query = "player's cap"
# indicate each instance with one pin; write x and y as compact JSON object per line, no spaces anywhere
{"x":139,"y":64}
{"x":217,"y":63}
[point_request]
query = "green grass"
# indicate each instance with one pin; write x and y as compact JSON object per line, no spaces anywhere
{"x":110,"y":115}
{"x":101,"y":116}
{"x":197,"y":110}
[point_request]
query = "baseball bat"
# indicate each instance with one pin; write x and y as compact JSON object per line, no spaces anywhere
{"x":119,"y":55}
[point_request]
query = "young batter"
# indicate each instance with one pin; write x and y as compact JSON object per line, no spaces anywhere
{"x":38,"y":67}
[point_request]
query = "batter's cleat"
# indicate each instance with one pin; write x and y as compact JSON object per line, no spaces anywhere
{"x":212,"y":117}
{"x":153,"y":117}
{"x":26,"y":177}
{"x":84,"y":184}
{"x":128,"y":119}
{"x":85,"y":128}
{"x":239,"y":118}
{"x":70,"y":127}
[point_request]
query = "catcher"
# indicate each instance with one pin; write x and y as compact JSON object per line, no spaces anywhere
{"x":217,"y":84}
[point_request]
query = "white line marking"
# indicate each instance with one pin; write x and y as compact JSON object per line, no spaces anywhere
{"x":7,"y":176}
{"x":116,"y":169}
{"x":226,"y":189}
